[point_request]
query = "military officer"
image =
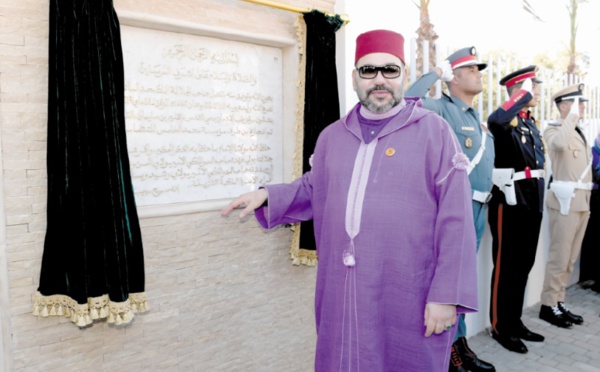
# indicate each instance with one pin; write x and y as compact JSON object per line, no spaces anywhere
{"x":515,"y":211}
{"x":568,"y":202}
{"x":462,"y":73}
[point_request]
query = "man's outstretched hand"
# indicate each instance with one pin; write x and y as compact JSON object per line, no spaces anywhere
{"x":250,"y":201}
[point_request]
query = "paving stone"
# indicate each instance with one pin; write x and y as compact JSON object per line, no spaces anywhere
{"x":572,"y":350}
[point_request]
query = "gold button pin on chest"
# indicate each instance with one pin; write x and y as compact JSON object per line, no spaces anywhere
{"x":390,"y":151}
{"x":468,"y":142}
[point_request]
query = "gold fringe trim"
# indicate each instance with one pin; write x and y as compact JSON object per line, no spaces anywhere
{"x":301,"y":84}
{"x":301,"y":256}
{"x":297,"y":255}
{"x":97,"y":308}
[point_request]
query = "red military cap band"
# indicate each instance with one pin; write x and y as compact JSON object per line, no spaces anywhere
{"x":520,"y":78}
{"x":379,"y":41}
{"x":462,"y":60}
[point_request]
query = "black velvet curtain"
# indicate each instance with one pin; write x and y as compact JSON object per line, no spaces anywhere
{"x":321,"y":101}
{"x":93,"y":244}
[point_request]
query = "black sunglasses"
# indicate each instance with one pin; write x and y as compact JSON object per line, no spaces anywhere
{"x":388,"y":71}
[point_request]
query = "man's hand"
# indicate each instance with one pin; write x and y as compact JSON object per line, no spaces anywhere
{"x":438,"y":317}
{"x":527,"y":85}
{"x":250,"y":200}
{"x":444,"y":71}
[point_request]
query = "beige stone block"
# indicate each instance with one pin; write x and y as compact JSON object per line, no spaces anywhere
{"x":38,"y":226}
{"x":24,"y":164}
{"x":21,"y":255}
{"x":11,"y":39}
{"x":37,"y":41}
{"x":34,"y":118}
{"x":25,"y":8}
{"x":37,"y":60}
{"x":37,"y":190}
{"x":17,"y":229}
{"x":38,"y":174}
{"x":24,"y":358}
{"x":24,"y":265}
{"x":24,"y":238}
{"x":20,"y":309}
{"x":23,"y":107}
{"x":37,"y":135}
{"x":35,"y":27}
{"x":13,"y":98}
{"x":38,"y":97}
{"x":9,"y":59}
{"x":39,"y":208}
{"x":9,"y":117}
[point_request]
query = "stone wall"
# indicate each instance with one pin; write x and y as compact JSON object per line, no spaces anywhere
{"x":223,"y":294}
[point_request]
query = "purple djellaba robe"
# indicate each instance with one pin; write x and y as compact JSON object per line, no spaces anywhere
{"x":400,"y":208}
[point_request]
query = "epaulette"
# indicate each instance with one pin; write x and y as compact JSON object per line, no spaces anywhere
{"x":514,"y":122}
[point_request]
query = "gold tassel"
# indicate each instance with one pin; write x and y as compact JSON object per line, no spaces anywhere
{"x":52,"y":310}
{"x":94,"y":312}
{"x":128,"y":316}
{"x":36,"y":310}
{"x":118,"y":320}
{"x":60,"y":311}
{"x":45,"y":312}
{"x":103,"y":312}
{"x":80,"y":321}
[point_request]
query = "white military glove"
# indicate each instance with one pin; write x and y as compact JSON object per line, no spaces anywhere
{"x":575,"y":107}
{"x":446,"y":69}
{"x":527,"y":85}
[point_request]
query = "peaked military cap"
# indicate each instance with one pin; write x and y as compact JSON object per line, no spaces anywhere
{"x":570,"y":92}
{"x":465,"y":57}
{"x":518,"y":76}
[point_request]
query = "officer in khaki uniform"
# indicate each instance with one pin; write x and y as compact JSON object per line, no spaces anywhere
{"x":568,"y":202}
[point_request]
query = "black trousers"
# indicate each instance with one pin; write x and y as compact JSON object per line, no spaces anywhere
{"x":515,"y":231}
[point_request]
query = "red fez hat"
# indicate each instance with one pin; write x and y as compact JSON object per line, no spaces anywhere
{"x":379,"y":41}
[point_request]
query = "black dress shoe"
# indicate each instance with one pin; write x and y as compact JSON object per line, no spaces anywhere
{"x":469,"y":359}
{"x":525,"y":334}
{"x":553,"y":315}
{"x":456,"y":364}
{"x":575,"y":319}
{"x":511,"y":343}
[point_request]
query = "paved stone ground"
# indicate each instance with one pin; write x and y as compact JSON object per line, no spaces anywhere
{"x":574,"y":350}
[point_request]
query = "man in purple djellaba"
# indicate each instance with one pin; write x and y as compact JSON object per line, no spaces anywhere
{"x":391,"y":202}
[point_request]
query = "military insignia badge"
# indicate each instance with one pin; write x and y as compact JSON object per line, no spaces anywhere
{"x":469,"y":142}
{"x":523,"y":138}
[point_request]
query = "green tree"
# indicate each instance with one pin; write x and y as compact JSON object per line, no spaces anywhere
{"x":425,"y":32}
{"x":572,"y":67}
{"x":572,"y":7}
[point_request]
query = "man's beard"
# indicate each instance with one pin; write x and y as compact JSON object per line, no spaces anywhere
{"x":373,"y":107}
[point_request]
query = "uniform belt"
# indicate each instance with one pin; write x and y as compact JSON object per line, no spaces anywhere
{"x":527,"y":173}
{"x":577,"y":185}
{"x":482,"y":197}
